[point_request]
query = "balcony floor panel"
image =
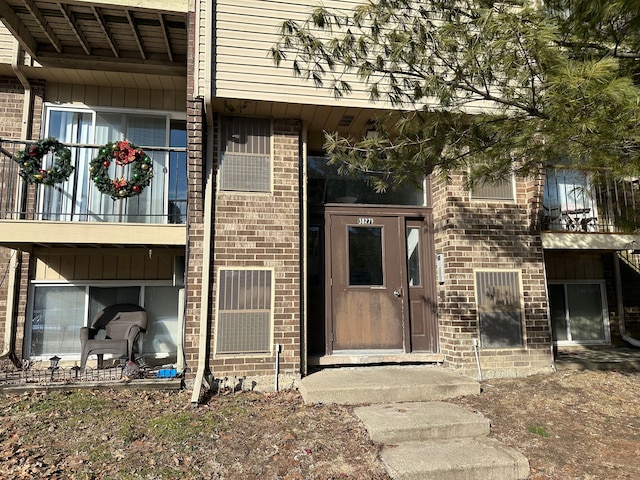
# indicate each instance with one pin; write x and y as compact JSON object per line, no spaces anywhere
{"x":588,"y":241}
{"x":24,"y":234}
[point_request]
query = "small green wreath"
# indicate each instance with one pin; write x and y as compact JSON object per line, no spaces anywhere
{"x":32,"y":169}
{"x":121,"y":153}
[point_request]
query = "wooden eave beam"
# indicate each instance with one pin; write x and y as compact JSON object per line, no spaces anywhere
{"x":124,"y":65}
{"x":164,"y":6}
{"x":136,"y":34}
{"x":44,"y":25}
{"x":165,"y":34}
{"x":18,"y":29}
{"x":103,"y":26}
{"x":68,"y":14}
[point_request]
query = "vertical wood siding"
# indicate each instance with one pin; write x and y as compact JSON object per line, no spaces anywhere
{"x":116,"y":97}
{"x":117,"y":264}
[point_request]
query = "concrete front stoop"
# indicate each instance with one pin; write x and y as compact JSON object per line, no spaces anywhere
{"x":404,"y":409}
{"x":409,"y":383}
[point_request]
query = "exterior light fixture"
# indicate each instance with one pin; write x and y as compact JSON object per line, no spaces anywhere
{"x":54,"y":362}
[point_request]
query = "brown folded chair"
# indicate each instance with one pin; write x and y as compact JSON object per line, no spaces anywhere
{"x":122,"y":324}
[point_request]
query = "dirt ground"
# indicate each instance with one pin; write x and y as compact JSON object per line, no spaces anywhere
{"x":579,"y":425}
{"x":571,"y":426}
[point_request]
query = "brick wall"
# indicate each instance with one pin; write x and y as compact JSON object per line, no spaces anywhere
{"x":489,"y":235}
{"x":11,"y":109}
{"x":195,"y":226}
{"x":263,"y":230}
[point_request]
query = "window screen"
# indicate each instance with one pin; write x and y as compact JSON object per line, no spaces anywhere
{"x":244,"y":311}
{"x":499,"y":309}
{"x":246,"y":155}
{"x":499,"y":190}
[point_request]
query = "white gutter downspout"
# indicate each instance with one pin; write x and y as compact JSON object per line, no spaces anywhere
{"x":304,"y":350}
{"x":208,"y":198}
{"x":621,"y":326}
{"x":16,"y":255}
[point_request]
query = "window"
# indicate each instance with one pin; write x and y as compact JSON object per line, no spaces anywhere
{"x":59,"y":311}
{"x":498,"y":190}
{"x":244,"y":311}
{"x":499,"y":308}
{"x":58,"y":314}
{"x":327,"y":185}
{"x":579,"y":312}
{"x":569,"y":202}
{"x":78,"y":199}
{"x":413,"y":256}
{"x":365,"y":256}
{"x":245,"y":157}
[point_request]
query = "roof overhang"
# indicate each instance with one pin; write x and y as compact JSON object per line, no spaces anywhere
{"x":118,"y":35}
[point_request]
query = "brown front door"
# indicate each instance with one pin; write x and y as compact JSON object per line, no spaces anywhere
{"x":367,"y":282}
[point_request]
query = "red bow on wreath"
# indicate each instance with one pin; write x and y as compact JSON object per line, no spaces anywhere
{"x":125,"y":153}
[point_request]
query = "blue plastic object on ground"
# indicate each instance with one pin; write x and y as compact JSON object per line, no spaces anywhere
{"x":167,"y":373}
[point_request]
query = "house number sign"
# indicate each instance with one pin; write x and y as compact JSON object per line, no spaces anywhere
{"x":365,"y":221}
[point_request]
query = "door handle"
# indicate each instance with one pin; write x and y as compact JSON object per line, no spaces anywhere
{"x":397,"y":293}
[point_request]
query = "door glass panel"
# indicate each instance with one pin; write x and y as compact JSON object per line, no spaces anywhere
{"x":72,"y":195}
{"x":365,"y":256}
{"x":413,"y":256}
{"x":100,"y":297}
{"x":177,"y":173}
{"x":58,"y":315}
{"x":163,"y":331}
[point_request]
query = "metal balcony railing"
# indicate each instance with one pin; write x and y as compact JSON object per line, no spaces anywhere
{"x":583,"y":202}
{"x":164,"y":201}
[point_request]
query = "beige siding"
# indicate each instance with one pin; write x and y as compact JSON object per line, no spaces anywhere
{"x":6,"y":45}
{"x":243,"y":67}
{"x":106,"y":264}
{"x":202,"y":50}
{"x":93,"y":95}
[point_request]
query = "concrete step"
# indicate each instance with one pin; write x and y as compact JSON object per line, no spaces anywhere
{"x":481,"y":458}
{"x":370,"y":385}
{"x":401,"y":422}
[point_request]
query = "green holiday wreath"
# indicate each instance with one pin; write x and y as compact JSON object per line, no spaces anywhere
{"x":121,"y":153}
{"x":31,"y":167}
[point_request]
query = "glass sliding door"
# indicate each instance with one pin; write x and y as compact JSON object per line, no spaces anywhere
{"x":579,"y":312}
{"x":73,"y":195}
{"x":58,"y":314}
{"x":59,"y":311}
{"x":163,"y":334}
{"x":164,"y":200}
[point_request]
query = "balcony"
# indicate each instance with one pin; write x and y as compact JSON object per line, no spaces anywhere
{"x":76,"y":213}
{"x":583,"y":203}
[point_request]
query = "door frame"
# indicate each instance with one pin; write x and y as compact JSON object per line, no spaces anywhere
{"x":402,"y":214}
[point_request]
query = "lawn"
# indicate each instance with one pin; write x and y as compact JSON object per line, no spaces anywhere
{"x":582,"y":425}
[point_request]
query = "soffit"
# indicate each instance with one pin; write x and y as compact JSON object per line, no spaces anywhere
{"x":136,"y":36}
{"x":316,"y":118}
